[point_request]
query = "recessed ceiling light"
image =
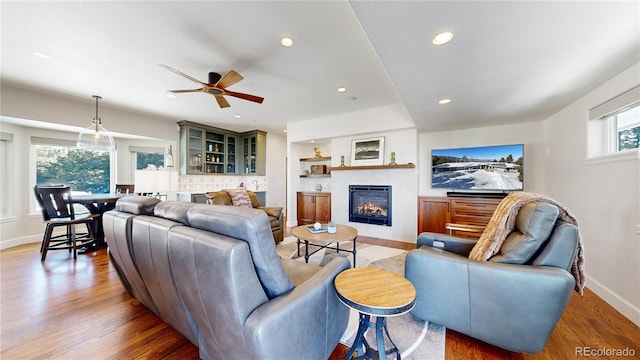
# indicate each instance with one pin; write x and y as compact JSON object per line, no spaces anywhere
{"x":171,"y":96}
{"x":237,"y":116}
{"x":342,"y":89}
{"x":444,"y":101}
{"x":41,"y":55}
{"x":285,"y":130}
{"x":442,"y":38}
{"x":286,"y":41}
{"x":312,"y":141}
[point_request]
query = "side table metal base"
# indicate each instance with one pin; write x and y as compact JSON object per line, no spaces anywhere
{"x":360,"y":343}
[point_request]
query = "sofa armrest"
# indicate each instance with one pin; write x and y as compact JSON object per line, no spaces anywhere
{"x":454,"y":244}
{"x":306,"y":322}
{"x":274,"y":211}
{"x":441,"y":280}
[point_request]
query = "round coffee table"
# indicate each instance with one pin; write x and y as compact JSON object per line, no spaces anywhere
{"x":322,"y":240}
{"x":377,"y":292}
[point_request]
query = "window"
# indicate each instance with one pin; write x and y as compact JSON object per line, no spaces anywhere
{"x":615,"y":125}
{"x":60,"y":162}
{"x":6,"y":175}
{"x":144,"y":157}
{"x":627,"y":126}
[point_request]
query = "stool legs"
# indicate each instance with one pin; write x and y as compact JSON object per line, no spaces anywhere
{"x":360,"y":343}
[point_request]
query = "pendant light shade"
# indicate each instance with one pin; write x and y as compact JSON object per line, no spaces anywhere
{"x":96,"y":137}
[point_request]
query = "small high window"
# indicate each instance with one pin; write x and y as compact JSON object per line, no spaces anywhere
{"x":615,"y":124}
{"x":627,"y":128}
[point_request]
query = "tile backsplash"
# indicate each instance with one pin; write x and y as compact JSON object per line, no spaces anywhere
{"x":204,"y":183}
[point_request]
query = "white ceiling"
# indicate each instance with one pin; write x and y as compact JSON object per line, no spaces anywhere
{"x":508,"y":62}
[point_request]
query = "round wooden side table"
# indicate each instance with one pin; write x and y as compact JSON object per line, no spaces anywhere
{"x":374,"y":292}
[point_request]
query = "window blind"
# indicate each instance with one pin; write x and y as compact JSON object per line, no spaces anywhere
{"x":619,"y":102}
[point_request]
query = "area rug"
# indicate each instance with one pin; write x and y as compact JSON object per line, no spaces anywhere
{"x":414,"y":338}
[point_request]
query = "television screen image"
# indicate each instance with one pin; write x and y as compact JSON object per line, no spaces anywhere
{"x":489,"y":168}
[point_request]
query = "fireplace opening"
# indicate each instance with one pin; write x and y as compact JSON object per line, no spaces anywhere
{"x":370,"y":204}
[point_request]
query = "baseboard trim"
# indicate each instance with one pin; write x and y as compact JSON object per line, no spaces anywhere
{"x":20,"y":241}
{"x":627,"y":309}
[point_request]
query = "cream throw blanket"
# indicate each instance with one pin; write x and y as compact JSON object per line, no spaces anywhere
{"x":503,"y":221}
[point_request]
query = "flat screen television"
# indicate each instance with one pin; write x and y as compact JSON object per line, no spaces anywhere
{"x":486,"y":168}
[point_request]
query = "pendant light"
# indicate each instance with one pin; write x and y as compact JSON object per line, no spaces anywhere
{"x":96,"y":137}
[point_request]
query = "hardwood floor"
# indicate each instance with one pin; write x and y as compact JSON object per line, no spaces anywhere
{"x":66,"y":309}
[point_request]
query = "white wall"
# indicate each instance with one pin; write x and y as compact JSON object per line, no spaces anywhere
{"x":604,"y":194}
{"x":276,"y":170}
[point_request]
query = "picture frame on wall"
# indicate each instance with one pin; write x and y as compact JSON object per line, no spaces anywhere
{"x":367,"y":151}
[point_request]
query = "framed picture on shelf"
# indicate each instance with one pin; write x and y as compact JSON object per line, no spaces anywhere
{"x":367,"y":151}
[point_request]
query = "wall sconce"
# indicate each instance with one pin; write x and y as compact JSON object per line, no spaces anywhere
{"x":168,"y":158}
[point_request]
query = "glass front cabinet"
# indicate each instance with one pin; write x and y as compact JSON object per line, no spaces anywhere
{"x":206,"y":150}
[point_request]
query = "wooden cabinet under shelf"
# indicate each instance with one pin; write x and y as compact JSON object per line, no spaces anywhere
{"x":435,"y":212}
{"x":313,"y":206}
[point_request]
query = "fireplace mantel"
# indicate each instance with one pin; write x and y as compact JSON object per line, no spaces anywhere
{"x":374,"y":167}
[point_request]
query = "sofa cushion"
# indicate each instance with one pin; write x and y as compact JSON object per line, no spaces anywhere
{"x":137,"y":205}
{"x":534,"y":224}
{"x":173,"y":210}
{"x":251,"y":226}
{"x":239,"y":198}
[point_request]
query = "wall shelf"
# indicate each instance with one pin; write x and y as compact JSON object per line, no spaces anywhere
{"x":316,"y":176}
{"x":321,"y":158}
{"x":374,"y":167}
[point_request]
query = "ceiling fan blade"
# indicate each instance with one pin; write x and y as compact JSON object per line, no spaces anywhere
{"x":249,"y":97}
{"x":229,"y":79}
{"x":222,"y":101}
{"x":186,"y":90}
{"x":183,"y":74}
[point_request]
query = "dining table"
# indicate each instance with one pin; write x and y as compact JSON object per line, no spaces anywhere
{"x":97,"y":204}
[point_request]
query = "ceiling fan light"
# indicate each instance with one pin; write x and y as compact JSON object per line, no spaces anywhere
{"x":95,"y":137}
{"x":444,"y":101}
{"x":342,"y":89}
{"x":286,"y":41}
{"x":442,"y":38}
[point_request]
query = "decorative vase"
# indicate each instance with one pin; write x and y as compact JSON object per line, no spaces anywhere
{"x":341,"y":160}
{"x":393,"y":158}
{"x":319,"y":187}
{"x":331,"y":228}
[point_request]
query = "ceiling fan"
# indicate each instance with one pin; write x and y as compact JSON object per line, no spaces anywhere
{"x":217,"y":86}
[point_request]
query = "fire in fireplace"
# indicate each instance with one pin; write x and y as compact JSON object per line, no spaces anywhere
{"x":370,"y":204}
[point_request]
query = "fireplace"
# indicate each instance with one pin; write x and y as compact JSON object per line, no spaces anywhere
{"x":370,"y":204}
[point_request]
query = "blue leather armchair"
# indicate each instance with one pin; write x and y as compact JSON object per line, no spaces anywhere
{"x":512,"y":301}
